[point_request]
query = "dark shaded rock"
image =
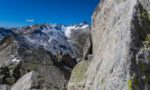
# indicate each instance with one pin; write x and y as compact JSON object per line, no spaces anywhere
{"x":54,"y":77}
{"x":87,"y":48}
{"x":9,"y":74}
{"x":36,"y":56}
{"x":5,"y":87}
{"x":1,"y":78}
{"x":67,"y":60}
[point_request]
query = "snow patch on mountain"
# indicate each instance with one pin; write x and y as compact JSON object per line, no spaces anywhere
{"x":70,"y":29}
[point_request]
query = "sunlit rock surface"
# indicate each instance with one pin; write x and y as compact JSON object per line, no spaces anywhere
{"x":121,"y":48}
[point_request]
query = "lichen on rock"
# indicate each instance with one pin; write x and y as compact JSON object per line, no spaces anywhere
{"x":78,"y":75}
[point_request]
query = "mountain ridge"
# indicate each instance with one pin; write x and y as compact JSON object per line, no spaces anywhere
{"x":42,"y":48}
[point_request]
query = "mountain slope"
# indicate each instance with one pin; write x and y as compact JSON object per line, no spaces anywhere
{"x":53,"y":38}
{"x":44,"y":49}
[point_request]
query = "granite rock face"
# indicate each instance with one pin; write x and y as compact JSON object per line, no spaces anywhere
{"x":120,"y":48}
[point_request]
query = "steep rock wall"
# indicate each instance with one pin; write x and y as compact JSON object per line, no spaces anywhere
{"x":121,"y":43}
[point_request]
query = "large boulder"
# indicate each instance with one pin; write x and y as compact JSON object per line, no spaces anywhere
{"x":121,"y":44}
{"x":78,"y":77}
{"x":30,"y":81}
{"x":37,"y":81}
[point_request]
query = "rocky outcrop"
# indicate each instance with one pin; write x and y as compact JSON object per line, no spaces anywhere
{"x":87,"y":50}
{"x":121,"y":43}
{"x":43,"y":62}
{"x":78,"y":77}
{"x":30,"y":81}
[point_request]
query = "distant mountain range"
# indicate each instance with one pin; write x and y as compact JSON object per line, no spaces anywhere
{"x":55,"y":38}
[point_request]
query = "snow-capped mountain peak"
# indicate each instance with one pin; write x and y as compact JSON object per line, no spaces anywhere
{"x":54,"y":38}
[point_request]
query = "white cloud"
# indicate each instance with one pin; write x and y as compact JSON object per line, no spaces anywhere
{"x":30,"y":20}
{"x":68,"y":31}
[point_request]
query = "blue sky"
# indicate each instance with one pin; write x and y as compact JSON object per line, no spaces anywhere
{"x":14,"y":13}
